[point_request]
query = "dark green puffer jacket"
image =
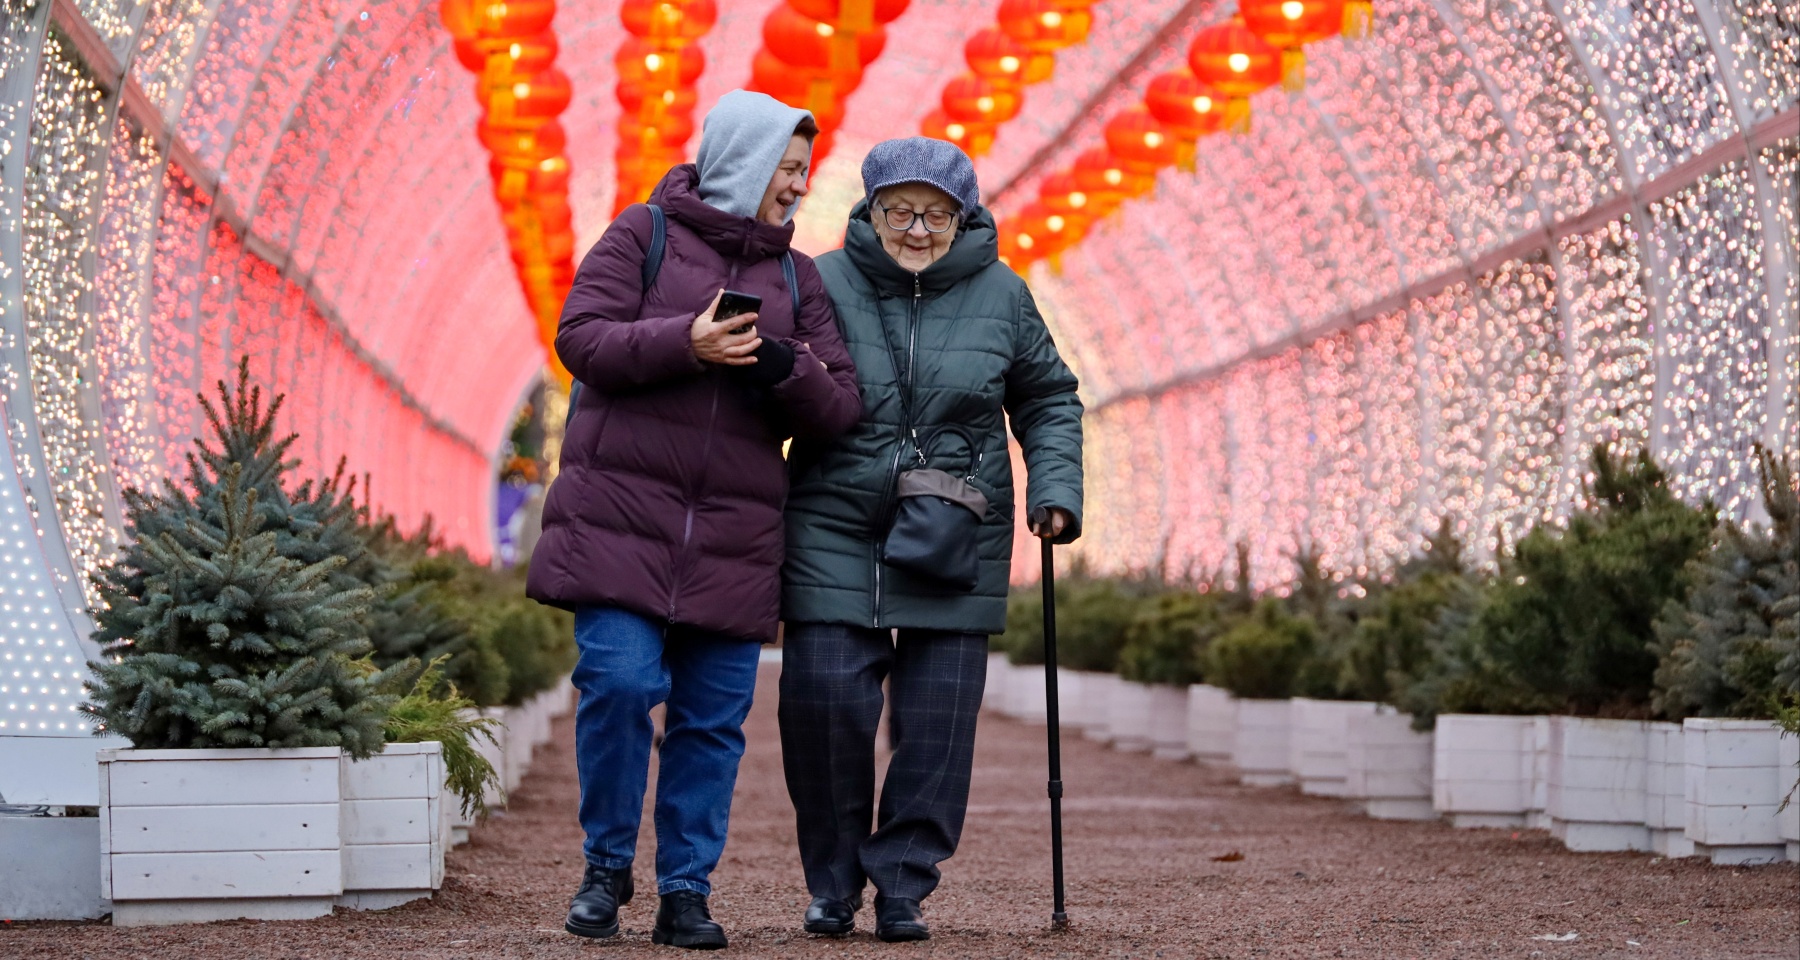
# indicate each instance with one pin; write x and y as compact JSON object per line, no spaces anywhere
{"x":979,"y":355}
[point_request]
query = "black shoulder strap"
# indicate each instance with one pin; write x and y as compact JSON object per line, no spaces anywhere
{"x":659,"y":238}
{"x":793,"y":282}
{"x":653,"y":258}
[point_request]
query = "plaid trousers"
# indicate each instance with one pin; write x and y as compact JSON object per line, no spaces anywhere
{"x":830,"y":706}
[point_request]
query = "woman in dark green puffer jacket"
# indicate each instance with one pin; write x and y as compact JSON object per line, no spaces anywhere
{"x":936,"y":325}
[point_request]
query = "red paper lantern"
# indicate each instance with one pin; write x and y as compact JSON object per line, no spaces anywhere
{"x":804,"y":42}
{"x":1237,"y":63}
{"x":1107,"y":180}
{"x":550,"y":176}
{"x":519,"y":54}
{"x":528,"y":99}
{"x":973,"y":99}
{"x":1044,"y":26}
{"x":1060,"y":194}
{"x":998,"y":57}
{"x":797,"y":87}
{"x":671,"y":131}
{"x":1137,"y":137}
{"x":632,"y":96}
{"x":854,"y":15}
{"x":973,"y":138}
{"x":1188,"y":108}
{"x":470,"y":19}
{"x":1288,"y":25}
{"x":672,"y":22}
{"x":523,"y":144}
{"x":642,"y":62}
{"x":1045,"y":233}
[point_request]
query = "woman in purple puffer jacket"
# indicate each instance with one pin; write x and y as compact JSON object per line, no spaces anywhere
{"x":663,"y":531}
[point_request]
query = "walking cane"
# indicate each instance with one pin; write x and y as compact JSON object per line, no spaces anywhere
{"x":1059,"y":918}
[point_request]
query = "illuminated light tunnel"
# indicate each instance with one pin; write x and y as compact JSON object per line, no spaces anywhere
{"x":1483,"y":238}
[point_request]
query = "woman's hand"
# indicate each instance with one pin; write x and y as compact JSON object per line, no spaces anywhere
{"x":1058,"y":521}
{"x":714,"y":342}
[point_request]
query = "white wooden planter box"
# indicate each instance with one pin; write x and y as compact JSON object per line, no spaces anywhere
{"x":1387,"y":766}
{"x":1598,"y":784}
{"x":515,"y":747}
{"x":1260,"y":749}
{"x":1211,"y":723}
{"x":537,"y":709}
{"x":495,"y":753}
{"x":1128,"y":716}
{"x":1734,"y":787}
{"x":392,"y":823}
{"x":563,"y":697}
{"x":995,"y":691}
{"x":1026,"y":695}
{"x":189,"y":836}
{"x":1788,"y":756}
{"x":1168,"y":722}
{"x":1665,"y":790}
{"x":1538,"y":817}
{"x":1075,"y":698}
{"x":1097,"y":691}
{"x":1482,"y":769}
{"x":1317,"y":747}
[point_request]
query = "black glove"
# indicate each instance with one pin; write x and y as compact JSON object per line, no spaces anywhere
{"x":774,"y":363}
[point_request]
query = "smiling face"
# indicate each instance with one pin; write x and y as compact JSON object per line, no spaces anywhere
{"x":789,"y":183}
{"x":914,"y":248}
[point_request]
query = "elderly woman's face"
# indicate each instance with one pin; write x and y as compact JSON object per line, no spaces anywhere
{"x":915,"y":247}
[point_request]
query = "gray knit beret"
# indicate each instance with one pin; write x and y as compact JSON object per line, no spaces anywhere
{"x":922,"y":160}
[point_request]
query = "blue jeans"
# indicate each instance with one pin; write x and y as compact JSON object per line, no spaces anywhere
{"x":628,"y":665}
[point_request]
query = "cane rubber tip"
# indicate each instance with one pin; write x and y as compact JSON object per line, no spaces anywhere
{"x":1059,"y":921}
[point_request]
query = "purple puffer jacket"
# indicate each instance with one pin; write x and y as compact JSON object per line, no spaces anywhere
{"x":672,"y":484}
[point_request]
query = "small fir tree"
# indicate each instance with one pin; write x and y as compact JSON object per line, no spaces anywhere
{"x":1264,"y":654}
{"x":1563,"y":627}
{"x":214,"y":638}
{"x":1733,"y":648}
{"x":1390,"y":643}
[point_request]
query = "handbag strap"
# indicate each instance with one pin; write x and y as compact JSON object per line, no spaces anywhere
{"x":975,"y":454}
{"x":904,"y":387}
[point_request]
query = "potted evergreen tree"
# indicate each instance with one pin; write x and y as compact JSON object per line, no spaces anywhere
{"x":1729,"y":661}
{"x":1388,"y":764}
{"x":230,"y":669}
{"x":236,"y":622}
{"x":1564,"y":631}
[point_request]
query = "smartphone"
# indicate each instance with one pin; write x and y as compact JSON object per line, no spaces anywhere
{"x":734,"y":304}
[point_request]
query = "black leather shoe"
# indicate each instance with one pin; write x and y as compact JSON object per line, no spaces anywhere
{"x":833,"y":918}
{"x":898,"y":920}
{"x":684,"y":921}
{"x":595,"y":910}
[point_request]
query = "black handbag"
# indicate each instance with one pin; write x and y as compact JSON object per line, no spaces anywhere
{"x":937,"y":519}
{"x":937,"y":515}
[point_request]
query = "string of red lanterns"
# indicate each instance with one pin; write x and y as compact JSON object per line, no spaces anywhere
{"x":657,"y":66}
{"x":1017,"y":51}
{"x":814,"y":53}
{"x":511,"y":48}
{"x":1228,"y":62}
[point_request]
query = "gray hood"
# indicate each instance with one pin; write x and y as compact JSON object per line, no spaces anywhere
{"x":740,"y":147}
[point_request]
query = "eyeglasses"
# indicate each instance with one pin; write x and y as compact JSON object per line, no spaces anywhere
{"x":936,"y":221}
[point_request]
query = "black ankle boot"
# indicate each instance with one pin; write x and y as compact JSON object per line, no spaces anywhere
{"x":595,"y":910}
{"x":684,"y":921}
{"x":898,"y":920}
{"x":832,"y":918}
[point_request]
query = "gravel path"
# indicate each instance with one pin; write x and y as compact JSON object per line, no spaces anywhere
{"x":1144,"y":838}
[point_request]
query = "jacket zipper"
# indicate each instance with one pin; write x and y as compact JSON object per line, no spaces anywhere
{"x":693,"y":498}
{"x":912,"y":340}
